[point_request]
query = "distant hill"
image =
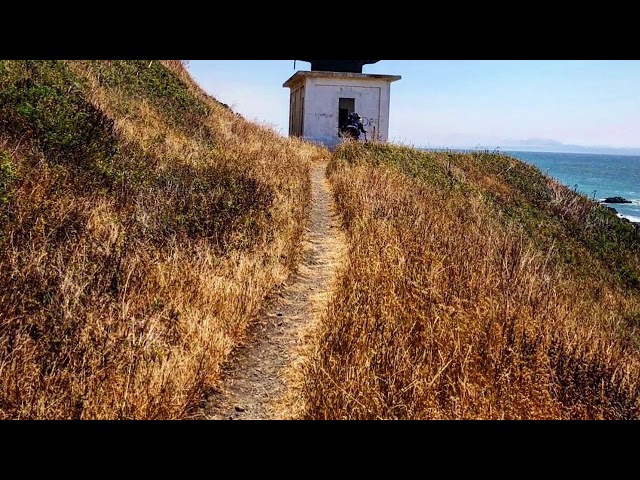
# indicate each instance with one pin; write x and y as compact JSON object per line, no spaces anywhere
{"x":552,"y":146}
{"x":562,"y":148}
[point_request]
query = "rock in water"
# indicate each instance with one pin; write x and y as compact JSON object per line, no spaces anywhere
{"x":616,"y":200}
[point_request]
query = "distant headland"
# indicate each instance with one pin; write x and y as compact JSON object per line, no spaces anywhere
{"x":547,"y":145}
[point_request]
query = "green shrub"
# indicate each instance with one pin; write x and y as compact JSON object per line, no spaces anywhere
{"x":63,"y":125}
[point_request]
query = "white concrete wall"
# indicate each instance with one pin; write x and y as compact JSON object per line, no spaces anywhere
{"x":322,"y":95}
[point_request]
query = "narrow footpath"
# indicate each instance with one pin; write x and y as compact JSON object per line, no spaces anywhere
{"x":257,"y":378}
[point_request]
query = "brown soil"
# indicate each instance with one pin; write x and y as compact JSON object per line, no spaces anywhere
{"x":259,"y":380}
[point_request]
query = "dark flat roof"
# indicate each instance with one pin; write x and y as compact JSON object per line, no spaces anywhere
{"x":300,"y":74}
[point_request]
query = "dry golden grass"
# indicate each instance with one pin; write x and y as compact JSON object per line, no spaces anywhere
{"x":128,"y":276}
{"x":446,"y":308}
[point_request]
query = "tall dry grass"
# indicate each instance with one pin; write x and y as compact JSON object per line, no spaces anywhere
{"x":448,"y":307}
{"x":142,"y":227}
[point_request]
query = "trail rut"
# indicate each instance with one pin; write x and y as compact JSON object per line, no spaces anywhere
{"x":255,"y":379}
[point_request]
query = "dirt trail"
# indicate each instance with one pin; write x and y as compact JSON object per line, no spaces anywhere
{"x":257,"y":378}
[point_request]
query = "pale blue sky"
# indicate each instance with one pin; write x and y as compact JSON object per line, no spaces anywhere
{"x":463,"y":103}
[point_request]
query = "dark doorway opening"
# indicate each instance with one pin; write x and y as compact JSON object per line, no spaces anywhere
{"x":346,"y":106}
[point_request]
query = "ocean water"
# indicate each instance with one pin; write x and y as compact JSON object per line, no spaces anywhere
{"x":595,"y":175}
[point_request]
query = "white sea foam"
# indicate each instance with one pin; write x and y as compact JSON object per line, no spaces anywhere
{"x":631,"y":218}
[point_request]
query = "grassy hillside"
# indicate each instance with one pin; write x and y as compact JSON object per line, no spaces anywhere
{"x":142,"y":223}
{"x":475,"y":287}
